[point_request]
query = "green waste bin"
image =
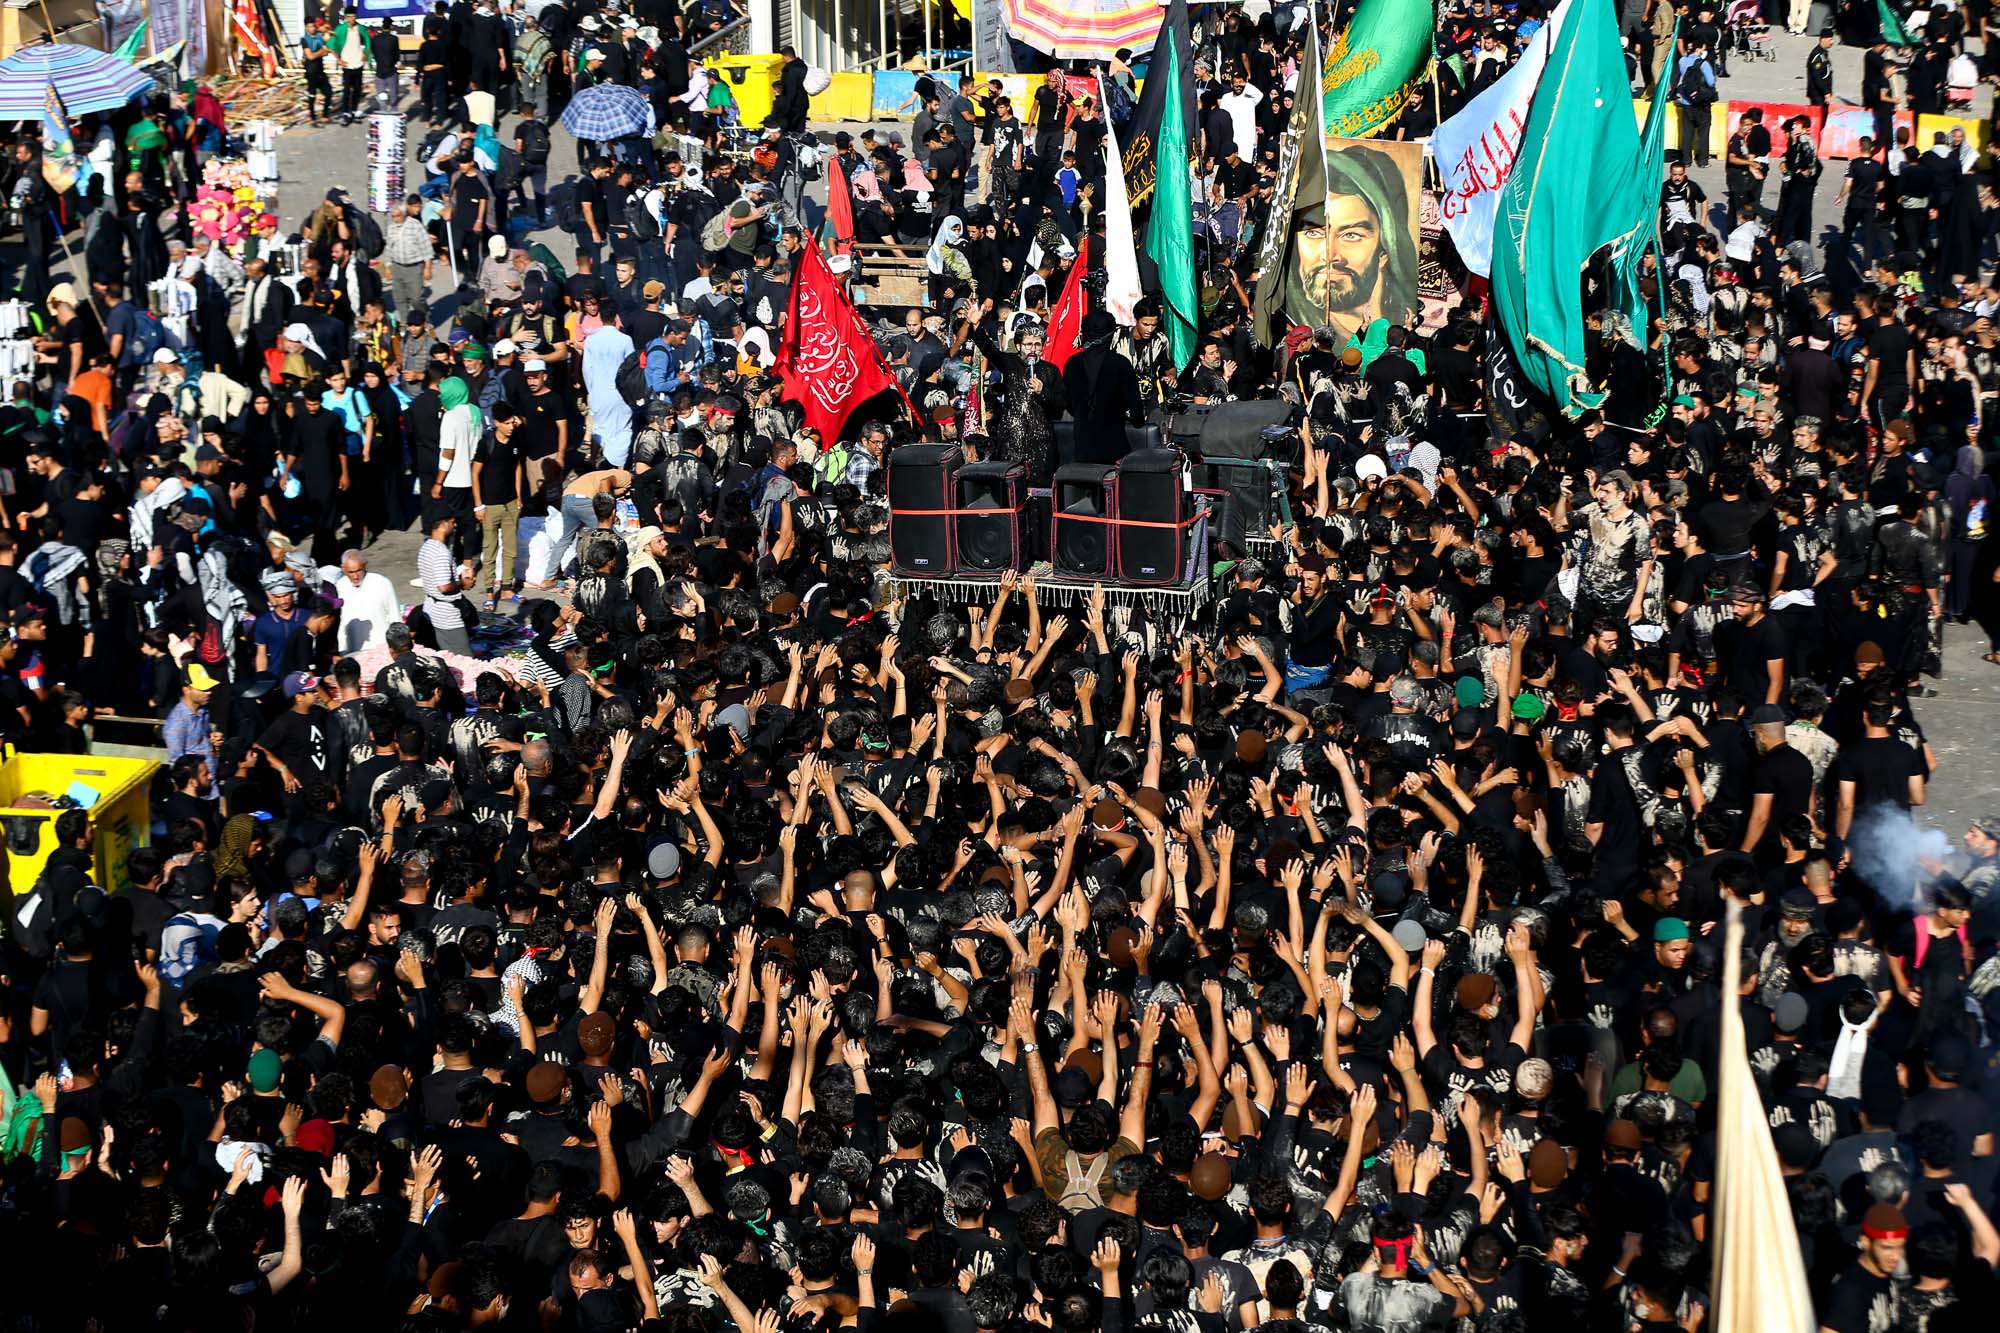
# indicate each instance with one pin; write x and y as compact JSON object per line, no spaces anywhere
{"x":753,"y":82}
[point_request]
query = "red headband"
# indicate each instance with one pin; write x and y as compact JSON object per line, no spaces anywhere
{"x":1891,"y":1233}
{"x":1400,"y":1249}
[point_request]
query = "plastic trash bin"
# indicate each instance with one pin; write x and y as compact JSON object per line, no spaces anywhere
{"x":120,"y":814}
{"x":753,"y":82}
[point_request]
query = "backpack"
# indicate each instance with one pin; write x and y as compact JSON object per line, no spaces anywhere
{"x":715,"y":232}
{"x":831,"y":465}
{"x":1696,"y":85}
{"x":148,"y":336}
{"x":534,"y":137}
{"x":1924,"y":945}
{"x":370,"y":231}
{"x":563,"y":203}
{"x":1084,"y":1187}
{"x":645,"y":227}
{"x":630,"y":380}
{"x":38,"y":581}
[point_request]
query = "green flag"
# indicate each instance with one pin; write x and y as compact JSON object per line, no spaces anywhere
{"x":1629,"y":258}
{"x":1378,"y":59}
{"x":1893,"y":31}
{"x":1170,"y":233}
{"x":1553,"y":216}
{"x":134,"y":44}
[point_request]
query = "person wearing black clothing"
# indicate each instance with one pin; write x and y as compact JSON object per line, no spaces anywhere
{"x":1860,"y":193}
{"x":790,"y":104}
{"x":1103,"y":392}
{"x":1819,"y":69}
{"x":1878,"y":91}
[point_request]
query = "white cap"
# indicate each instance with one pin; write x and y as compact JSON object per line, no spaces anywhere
{"x":840,"y":263}
{"x":536,"y":364}
{"x":165,"y":356}
{"x":1370,"y":465}
{"x":505,"y":347}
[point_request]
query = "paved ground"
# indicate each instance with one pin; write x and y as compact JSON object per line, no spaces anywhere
{"x":1963,"y":720}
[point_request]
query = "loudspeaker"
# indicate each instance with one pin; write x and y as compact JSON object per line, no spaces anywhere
{"x":1232,"y":447}
{"x":920,"y":493}
{"x":987,"y":529}
{"x":1151,"y":543}
{"x":1082,"y":493}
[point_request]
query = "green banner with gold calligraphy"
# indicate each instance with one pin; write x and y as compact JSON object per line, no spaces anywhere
{"x":1371,"y":69}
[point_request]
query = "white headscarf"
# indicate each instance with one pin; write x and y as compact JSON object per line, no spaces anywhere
{"x":300,"y":333}
{"x":949,"y":233}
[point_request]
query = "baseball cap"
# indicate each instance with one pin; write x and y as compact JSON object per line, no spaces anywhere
{"x":164,"y":356}
{"x":535,"y":366}
{"x":278,"y":541}
{"x":300,"y":682}
{"x":505,"y":347}
{"x":208,"y":453}
{"x":653,"y":290}
{"x":198,"y":678}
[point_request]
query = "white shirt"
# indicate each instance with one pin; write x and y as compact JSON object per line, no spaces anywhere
{"x":366,"y":612}
{"x":1242,"y":109}
{"x":458,"y":438}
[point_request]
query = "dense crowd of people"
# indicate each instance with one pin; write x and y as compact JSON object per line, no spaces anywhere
{"x":754,"y":942}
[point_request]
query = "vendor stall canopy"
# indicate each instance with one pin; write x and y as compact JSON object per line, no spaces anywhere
{"x":87,"y":80}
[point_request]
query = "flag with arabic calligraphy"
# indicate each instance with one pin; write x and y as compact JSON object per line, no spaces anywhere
{"x":1066,"y":322}
{"x":827,"y":362}
{"x":1384,"y":50}
{"x":1475,"y":149}
{"x":1577,"y":189}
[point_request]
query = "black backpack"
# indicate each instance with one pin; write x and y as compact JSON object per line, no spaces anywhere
{"x":370,"y":232}
{"x":563,"y":203}
{"x":638,"y":217}
{"x":1695,"y":89}
{"x":534,"y":137}
{"x":630,"y":380}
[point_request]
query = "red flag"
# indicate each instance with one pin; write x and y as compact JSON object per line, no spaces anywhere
{"x":827,"y":361}
{"x":839,"y":209}
{"x":1067,"y":321}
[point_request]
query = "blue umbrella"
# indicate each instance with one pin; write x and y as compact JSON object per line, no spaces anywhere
{"x":85,"y":79}
{"x":608,"y":111}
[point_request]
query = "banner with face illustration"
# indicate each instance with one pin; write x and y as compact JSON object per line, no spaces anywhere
{"x":1355,"y":259}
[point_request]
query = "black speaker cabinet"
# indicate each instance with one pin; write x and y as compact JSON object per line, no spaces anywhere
{"x":1151,"y":541}
{"x":1101,"y":446}
{"x":920,"y":496}
{"x":1082,"y":494}
{"x":987,"y":530}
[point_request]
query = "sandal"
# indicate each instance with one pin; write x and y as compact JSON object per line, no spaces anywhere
{"x":1994,"y":658}
{"x":487,"y":605}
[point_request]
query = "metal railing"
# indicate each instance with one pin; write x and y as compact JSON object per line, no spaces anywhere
{"x":730,"y":38}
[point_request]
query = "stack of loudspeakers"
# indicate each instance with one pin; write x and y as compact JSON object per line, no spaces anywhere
{"x":1121,"y":523}
{"x":1236,"y":451}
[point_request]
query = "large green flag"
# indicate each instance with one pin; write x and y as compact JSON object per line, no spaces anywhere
{"x":1170,"y":233}
{"x":1628,"y":259}
{"x":1577,"y":187}
{"x":134,"y":45}
{"x":1893,"y":31}
{"x":1298,"y":200}
{"x":1375,"y":63}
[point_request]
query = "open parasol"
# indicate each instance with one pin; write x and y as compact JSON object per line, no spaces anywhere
{"x":1084,"y":29}
{"x":86,"y":80}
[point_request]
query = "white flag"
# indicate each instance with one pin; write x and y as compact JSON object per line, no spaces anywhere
{"x":1475,"y":150}
{"x":1121,"y":256}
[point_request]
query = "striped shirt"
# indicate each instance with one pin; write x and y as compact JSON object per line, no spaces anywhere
{"x":436,"y":568}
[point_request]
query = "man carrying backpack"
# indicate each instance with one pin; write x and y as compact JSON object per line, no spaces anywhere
{"x":1694,"y":94}
{"x":531,"y":145}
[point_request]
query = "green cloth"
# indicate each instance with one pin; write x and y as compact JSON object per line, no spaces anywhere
{"x":143,"y":138}
{"x":1893,"y":31}
{"x":1553,"y":217}
{"x":1374,"y":340}
{"x":1629,"y":259}
{"x":134,"y":44}
{"x":455,"y":393}
{"x":1378,"y":59}
{"x":1170,"y":233}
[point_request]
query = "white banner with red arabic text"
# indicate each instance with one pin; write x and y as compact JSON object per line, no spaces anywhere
{"x":1475,"y":150}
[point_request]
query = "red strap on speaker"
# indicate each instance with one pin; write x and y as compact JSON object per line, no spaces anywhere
{"x":1123,"y":522}
{"x":948,"y":513}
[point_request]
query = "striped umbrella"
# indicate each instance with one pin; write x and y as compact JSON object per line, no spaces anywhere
{"x":85,"y":79}
{"x":608,"y":111}
{"x":1084,"y":29}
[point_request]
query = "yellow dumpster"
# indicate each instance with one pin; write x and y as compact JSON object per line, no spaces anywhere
{"x":117,"y":791}
{"x":753,"y":82}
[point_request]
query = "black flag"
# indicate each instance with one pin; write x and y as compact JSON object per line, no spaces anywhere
{"x":1140,"y":136}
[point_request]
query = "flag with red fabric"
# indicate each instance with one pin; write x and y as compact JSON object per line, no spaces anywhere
{"x":1066,"y":324}
{"x":839,"y":231}
{"x":827,"y":362}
